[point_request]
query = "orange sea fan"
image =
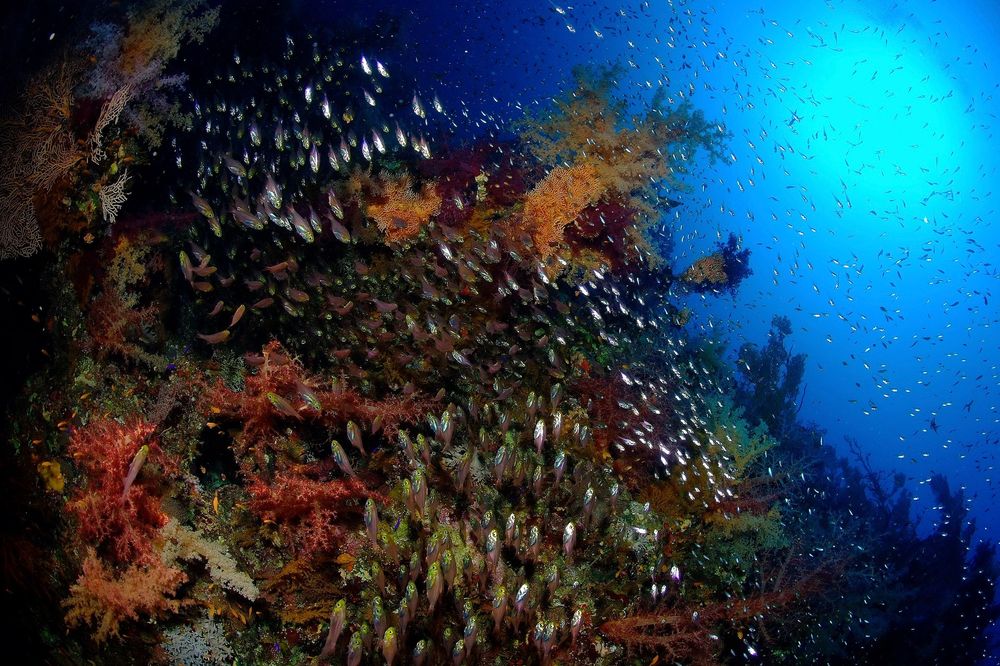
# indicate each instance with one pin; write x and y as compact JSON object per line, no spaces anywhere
{"x":399,"y":211}
{"x":557,"y":200}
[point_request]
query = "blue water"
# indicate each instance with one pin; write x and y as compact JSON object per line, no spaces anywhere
{"x":861,"y":171}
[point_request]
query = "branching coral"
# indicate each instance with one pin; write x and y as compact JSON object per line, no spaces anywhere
{"x":117,"y":328}
{"x":184,"y":544}
{"x":631,"y":155}
{"x":690,"y":633}
{"x":311,"y":511}
{"x":634,"y":158}
{"x":133,"y":60}
{"x":281,"y":391}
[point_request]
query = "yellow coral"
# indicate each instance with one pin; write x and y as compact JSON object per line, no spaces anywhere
{"x":557,"y":200}
{"x":128,"y":266}
{"x":633,"y":156}
{"x":51,"y":474}
{"x":399,"y":211}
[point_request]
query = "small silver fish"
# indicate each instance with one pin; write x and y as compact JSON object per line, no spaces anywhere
{"x":569,"y":539}
{"x":371,"y":521}
{"x":340,"y":232}
{"x":355,"y":649}
{"x":279,"y":138}
{"x":242,"y":213}
{"x":302,"y":227}
{"x":314,"y":159}
{"x":331,"y":199}
{"x":354,"y":436}
{"x":272,"y":192}
{"x":234,"y":167}
{"x":539,"y":435}
{"x":203,"y":206}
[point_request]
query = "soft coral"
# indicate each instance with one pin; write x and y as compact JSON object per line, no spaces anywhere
{"x":281,"y":390}
{"x":309,"y":510}
{"x":120,"y":524}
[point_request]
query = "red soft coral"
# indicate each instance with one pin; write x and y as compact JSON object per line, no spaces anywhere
{"x":120,"y":524}
{"x":308,"y":509}
{"x":281,"y":391}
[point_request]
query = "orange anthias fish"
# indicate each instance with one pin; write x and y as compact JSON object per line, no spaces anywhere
{"x":215,"y":338}
{"x":237,"y":315}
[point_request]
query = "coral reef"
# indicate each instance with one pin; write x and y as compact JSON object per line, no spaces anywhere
{"x":366,"y":403}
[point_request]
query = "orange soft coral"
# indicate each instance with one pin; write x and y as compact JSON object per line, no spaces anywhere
{"x":708,"y":270}
{"x":103,"y":600}
{"x":401,"y":212}
{"x":557,"y":200}
{"x":157,"y":32}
